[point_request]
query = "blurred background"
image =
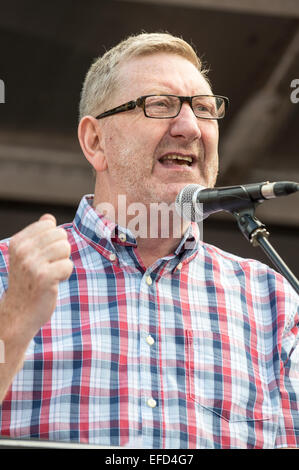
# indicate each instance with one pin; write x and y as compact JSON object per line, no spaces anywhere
{"x":252,"y":50}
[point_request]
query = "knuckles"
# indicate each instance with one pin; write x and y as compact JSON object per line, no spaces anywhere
{"x":69,"y":266}
{"x":32,"y":264}
{"x":38,"y":260}
{"x":18,"y":249}
{"x":61,"y":232}
{"x":66,"y":247}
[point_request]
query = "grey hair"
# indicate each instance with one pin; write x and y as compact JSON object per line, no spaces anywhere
{"x":102,"y":78}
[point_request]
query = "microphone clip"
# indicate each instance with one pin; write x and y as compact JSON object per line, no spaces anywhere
{"x":256,"y":232}
{"x":251,"y":227}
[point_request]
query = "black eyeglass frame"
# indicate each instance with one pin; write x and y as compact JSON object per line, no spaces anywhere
{"x":140,"y":102}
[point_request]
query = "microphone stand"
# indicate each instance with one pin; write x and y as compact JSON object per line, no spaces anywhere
{"x":256,"y":233}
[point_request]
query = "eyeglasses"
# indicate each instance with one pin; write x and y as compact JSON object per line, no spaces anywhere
{"x":169,"y":106}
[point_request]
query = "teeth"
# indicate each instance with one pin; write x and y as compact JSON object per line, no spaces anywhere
{"x":178,"y":157}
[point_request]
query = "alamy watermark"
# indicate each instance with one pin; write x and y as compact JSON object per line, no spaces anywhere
{"x":2,"y":352}
{"x":294,"y":96}
{"x":2,"y":91}
{"x":155,"y":220}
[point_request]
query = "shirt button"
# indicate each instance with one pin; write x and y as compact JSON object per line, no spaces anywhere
{"x":149,"y":280}
{"x":150,"y":340}
{"x":151,"y":403}
{"x":179,"y":266}
{"x":112,"y":257}
{"x":122,"y":237}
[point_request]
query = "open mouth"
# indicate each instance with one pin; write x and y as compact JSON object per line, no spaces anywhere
{"x":174,"y":159}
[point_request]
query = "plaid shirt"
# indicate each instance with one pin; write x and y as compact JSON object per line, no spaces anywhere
{"x":197,"y":351}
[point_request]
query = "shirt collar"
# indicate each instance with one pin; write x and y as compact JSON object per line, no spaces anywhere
{"x":190,"y":240}
{"x":102,"y":233}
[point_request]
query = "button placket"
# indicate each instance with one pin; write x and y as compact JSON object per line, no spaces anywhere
{"x":148,"y":353}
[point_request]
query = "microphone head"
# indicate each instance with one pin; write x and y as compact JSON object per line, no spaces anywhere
{"x":186,"y":204}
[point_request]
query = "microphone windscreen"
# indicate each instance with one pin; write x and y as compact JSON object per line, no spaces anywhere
{"x":186,"y":205}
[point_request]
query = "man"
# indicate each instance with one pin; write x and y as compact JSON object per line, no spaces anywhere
{"x":118,"y":336}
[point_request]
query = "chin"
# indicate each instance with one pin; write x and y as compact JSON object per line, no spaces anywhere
{"x":170,"y":193}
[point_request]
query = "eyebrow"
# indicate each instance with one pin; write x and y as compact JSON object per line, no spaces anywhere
{"x":164,"y":91}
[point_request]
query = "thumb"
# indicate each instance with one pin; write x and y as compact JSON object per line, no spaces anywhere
{"x":48,"y":217}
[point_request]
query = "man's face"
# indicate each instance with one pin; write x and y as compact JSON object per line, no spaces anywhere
{"x":136,"y":147}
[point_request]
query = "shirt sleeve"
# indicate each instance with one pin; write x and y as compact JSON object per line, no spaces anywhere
{"x":288,"y":424}
{"x":3,"y":267}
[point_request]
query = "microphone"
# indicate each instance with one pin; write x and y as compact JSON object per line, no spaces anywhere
{"x":195,"y":202}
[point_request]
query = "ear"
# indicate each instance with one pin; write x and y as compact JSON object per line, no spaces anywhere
{"x":90,"y":138}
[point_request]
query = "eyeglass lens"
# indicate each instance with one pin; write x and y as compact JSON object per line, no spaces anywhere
{"x":169,"y":106}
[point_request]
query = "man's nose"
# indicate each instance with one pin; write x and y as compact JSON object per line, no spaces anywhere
{"x":186,"y":124}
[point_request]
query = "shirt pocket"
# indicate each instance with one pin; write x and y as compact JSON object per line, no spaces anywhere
{"x":225,"y":378}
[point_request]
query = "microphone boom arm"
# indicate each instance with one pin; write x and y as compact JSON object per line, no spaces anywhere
{"x":257,"y":234}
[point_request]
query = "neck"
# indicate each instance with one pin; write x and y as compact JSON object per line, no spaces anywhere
{"x":150,"y":250}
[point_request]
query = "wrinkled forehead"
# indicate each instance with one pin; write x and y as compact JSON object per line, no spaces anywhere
{"x":160,"y":73}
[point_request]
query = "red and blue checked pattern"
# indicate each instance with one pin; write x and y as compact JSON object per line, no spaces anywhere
{"x":197,"y":351}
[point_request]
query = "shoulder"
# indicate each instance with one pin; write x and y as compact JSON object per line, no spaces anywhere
{"x":229,"y":260}
{"x":259,"y":276}
{"x":260,"y":281}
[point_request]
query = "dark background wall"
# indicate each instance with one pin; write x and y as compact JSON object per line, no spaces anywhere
{"x":252,"y":49}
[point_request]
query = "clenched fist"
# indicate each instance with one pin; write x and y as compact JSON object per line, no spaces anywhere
{"x":38,"y":261}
